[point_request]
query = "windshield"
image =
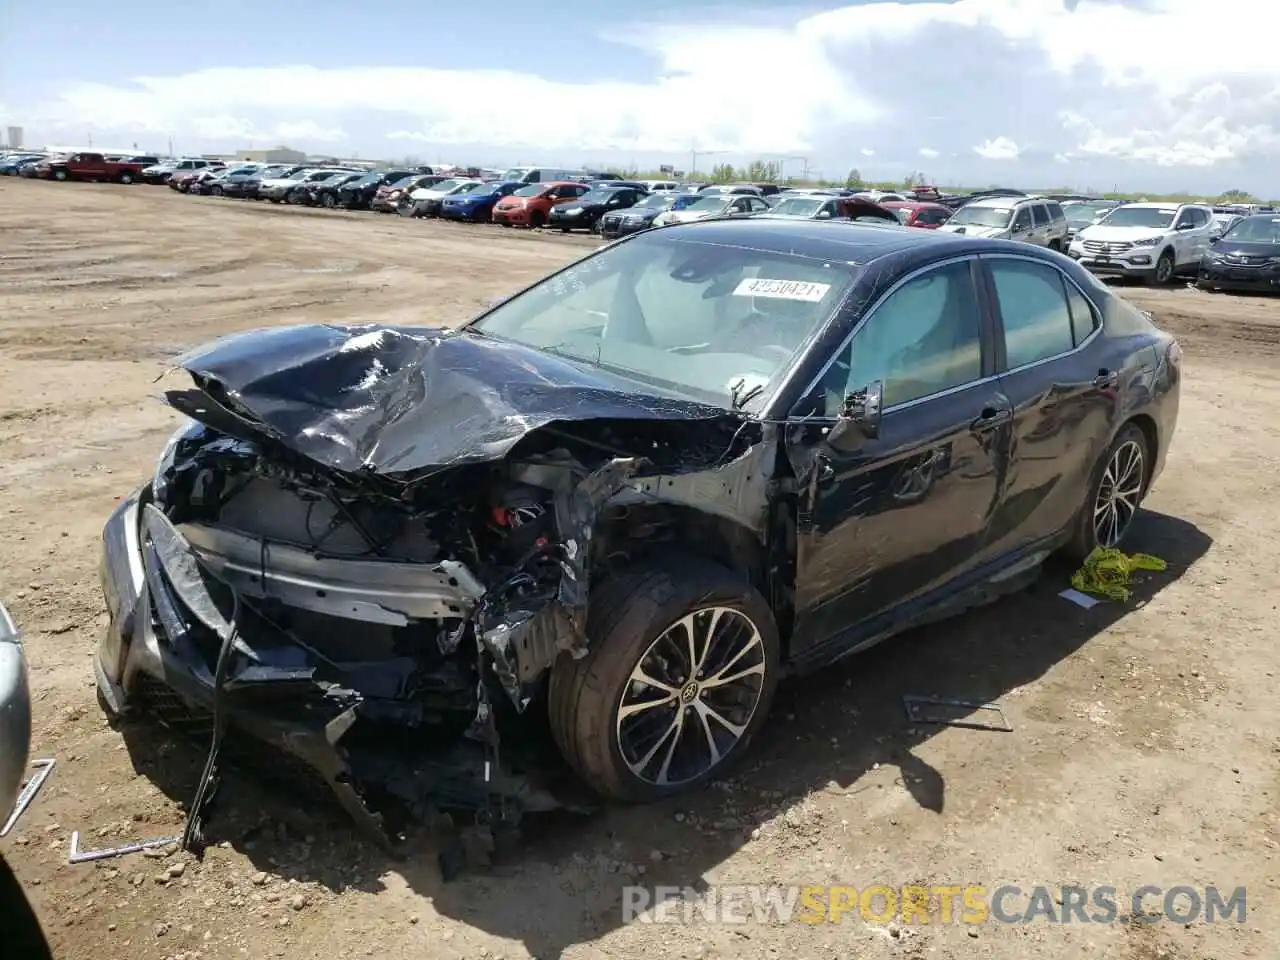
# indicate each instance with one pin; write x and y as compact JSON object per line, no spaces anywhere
{"x":1084,"y":213}
{"x":444,"y":186}
{"x":466,"y":186}
{"x":369,"y":178}
{"x":515,"y":173}
{"x":532,"y":190}
{"x":975,"y":216}
{"x":1156,"y":217}
{"x":1255,"y":230}
{"x":799,"y":206}
{"x":685,"y":200}
{"x":334,"y":178}
{"x":655,"y":202}
{"x":709,"y":203}
{"x":689,"y":318}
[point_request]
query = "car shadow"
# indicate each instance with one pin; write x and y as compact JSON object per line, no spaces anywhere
{"x":20,"y":931}
{"x":563,"y":885}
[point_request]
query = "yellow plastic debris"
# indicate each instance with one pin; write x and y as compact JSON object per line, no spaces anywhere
{"x":1106,"y":572}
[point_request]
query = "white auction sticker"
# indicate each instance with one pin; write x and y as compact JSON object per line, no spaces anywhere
{"x":782,"y":289}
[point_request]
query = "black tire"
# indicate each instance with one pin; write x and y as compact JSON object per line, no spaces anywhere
{"x":537,"y":219}
{"x":1055,"y":246}
{"x":1164,"y":271}
{"x":216,"y":191}
{"x":1084,"y":535}
{"x":60,"y":175}
{"x":404,"y":209}
{"x":126,"y":177}
{"x":628,"y":614}
{"x":330,"y":201}
{"x":1205,"y":285}
{"x":564,"y":229}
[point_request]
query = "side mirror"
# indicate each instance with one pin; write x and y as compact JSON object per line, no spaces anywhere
{"x":859,"y":419}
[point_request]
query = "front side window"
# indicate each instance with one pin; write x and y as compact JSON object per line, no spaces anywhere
{"x":696,"y":319}
{"x":926,"y":337}
{"x":1033,"y":305}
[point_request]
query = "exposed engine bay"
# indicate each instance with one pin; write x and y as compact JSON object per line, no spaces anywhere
{"x":394,"y":631}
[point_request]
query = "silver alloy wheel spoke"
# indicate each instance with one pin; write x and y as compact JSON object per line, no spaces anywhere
{"x":1118,"y":494}
{"x":708,"y":667}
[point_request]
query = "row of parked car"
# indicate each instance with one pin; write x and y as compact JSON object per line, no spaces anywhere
{"x":1218,"y":246}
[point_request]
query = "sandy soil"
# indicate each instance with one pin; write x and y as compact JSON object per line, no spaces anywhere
{"x":1145,"y":746}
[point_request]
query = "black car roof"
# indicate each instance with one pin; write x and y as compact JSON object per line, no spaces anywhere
{"x":826,"y":240}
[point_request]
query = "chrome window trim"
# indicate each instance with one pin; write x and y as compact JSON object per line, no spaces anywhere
{"x":1097,"y":318}
{"x":867,"y":315}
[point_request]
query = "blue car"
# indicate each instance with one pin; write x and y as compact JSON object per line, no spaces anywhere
{"x":477,"y":205}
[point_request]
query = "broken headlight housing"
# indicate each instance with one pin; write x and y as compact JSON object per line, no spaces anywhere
{"x":160,"y":479}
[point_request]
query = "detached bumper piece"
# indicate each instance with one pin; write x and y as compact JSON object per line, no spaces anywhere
{"x":396,"y":740}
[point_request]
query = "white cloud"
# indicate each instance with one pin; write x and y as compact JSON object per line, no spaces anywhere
{"x":1091,"y":83}
{"x":929,"y":153}
{"x":1000,"y":148}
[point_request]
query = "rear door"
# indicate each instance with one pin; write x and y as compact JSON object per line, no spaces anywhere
{"x":1063,"y":385}
{"x":1040,"y":221}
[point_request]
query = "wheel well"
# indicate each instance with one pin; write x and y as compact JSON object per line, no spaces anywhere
{"x":626,"y":532}
{"x":1148,"y":428}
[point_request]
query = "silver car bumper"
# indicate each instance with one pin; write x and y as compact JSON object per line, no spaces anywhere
{"x":15,"y":713}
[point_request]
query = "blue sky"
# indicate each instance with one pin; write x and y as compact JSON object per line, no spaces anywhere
{"x":1015,"y":92}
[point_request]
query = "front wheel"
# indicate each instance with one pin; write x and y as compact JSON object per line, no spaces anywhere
{"x":216,"y":192}
{"x":60,"y":175}
{"x":1163,"y":272}
{"x":126,"y":177}
{"x":1116,"y":489}
{"x":681,"y":671}
{"x":330,"y":201}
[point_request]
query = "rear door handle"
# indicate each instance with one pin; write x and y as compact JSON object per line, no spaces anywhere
{"x":1106,"y":380}
{"x":990,"y":418}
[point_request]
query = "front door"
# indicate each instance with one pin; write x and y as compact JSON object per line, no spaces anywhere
{"x":902,"y":514}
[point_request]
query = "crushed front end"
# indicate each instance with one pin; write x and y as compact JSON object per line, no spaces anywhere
{"x":387,"y":632}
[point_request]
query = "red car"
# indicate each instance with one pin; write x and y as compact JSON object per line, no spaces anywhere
{"x":93,"y":166}
{"x":531,"y":206}
{"x":918,"y":213}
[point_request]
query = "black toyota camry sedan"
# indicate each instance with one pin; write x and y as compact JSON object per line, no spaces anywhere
{"x":619,"y":505}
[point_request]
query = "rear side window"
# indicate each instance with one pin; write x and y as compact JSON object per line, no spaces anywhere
{"x":1041,"y":215}
{"x":1055,"y":211}
{"x":1083,"y":319}
{"x":1033,"y":306}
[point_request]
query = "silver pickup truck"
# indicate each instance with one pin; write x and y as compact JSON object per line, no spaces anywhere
{"x":15,"y":714}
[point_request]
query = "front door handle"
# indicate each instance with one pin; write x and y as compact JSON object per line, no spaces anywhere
{"x":1106,"y":379}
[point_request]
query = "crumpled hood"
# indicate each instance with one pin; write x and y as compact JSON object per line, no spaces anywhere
{"x":403,"y":400}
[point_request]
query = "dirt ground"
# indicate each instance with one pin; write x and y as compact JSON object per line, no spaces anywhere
{"x":1145,"y":747}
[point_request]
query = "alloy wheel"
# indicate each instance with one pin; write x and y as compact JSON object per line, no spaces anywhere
{"x":1118,"y":494}
{"x":1164,"y":270}
{"x":691,"y":696}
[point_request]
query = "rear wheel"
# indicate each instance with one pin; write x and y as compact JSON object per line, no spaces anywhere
{"x":1116,"y":489}
{"x":126,"y":177}
{"x":537,"y":219}
{"x":679,"y":677}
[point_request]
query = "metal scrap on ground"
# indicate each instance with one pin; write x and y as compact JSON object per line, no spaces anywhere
{"x":956,"y":713}
{"x":29,"y":792}
{"x":74,"y":855}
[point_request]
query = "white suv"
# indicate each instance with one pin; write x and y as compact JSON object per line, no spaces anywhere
{"x":1152,"y":241}
{"x":1028,"y":219}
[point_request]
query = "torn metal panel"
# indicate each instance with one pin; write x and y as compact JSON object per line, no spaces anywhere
{"x":378,"y":591}
{"x":737,"y":491}
{"x":405,"y":400}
